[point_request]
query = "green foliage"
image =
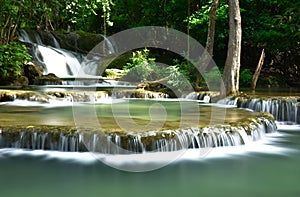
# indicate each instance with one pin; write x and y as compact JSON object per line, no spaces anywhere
{"x":52,"y":15}
{"x":113,"y":73}
{"x":246,"y":78}
{"x":273,"y":24}
{"x":142,"y":68}
{"x":12,"y":57}
{"x":187,"y":69}
{"x":199,"y":23}
{"x":81,"y":12}
{"x":177,"y":80}
{"x":133,"y":13}
{"x":212,"y":76}
{"x":140,"y":58}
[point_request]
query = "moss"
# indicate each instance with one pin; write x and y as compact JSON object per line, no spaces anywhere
{"x":79,"y":41}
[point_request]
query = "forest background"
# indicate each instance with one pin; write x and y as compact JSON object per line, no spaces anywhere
{"x":272,"y":25}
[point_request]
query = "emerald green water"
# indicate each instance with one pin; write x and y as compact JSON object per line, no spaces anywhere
{"x":264,"y":168}
{"x":172,"y":113}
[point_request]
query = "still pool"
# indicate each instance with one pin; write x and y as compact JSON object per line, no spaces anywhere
{"x":270,"y":167}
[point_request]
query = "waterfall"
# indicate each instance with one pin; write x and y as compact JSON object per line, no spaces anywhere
{"x":73,"y":140}
{"x":286,"y":109}
{"x":47,"y":53}
{"x":201,"y":96}
{"x":38,"y":37}
{"x":29,"y":37}
{"x":57,"y":61}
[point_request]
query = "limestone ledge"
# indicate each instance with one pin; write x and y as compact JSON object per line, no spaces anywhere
{"x":76,"y":96}
{"x":63,"y":138}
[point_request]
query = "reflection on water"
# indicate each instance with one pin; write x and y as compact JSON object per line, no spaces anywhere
{"x":274,"y":91}
{"x":265,"y":168}
{"x":187,"y":113}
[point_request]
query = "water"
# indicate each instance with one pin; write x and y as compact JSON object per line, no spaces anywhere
{"x":48,"y":54}
{"x":282,"y":108}
{"x":267,"y":168}
{"x":135,"y":125}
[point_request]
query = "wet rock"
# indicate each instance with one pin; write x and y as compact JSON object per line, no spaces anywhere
{"x":50,"y":79}
{"x":79,"y":41}
{"x":21,"y":81}
{"x":138,"y":93}
{"x":32,"y":72}
{"x":11,"y":95}
{"x":5,"y":96}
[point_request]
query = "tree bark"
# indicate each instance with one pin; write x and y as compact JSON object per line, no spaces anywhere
{"x":232,"y":64}
{"x":209,"y":41}
{"x":211,"y":28}
{"x":258,"y":69}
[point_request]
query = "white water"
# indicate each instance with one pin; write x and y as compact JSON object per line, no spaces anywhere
{"x":203,"y":97}
{"x":263,"y":146}
{"x":282,"y":108}
{"x":59,"y":61}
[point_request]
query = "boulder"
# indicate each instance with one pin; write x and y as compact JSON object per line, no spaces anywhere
{"x":32,"y":71}
{"x":49,"y":79}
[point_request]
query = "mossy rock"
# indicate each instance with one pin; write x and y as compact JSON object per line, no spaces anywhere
{"x":21,"y":81}
{"x":79,"y":41}
{"x":32,"y":71}
{"x":49,"y":79}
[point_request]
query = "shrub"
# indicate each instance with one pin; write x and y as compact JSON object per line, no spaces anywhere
{"x":142,"y":68}
{"x":245,"y":78}
{"x":12,"y":58}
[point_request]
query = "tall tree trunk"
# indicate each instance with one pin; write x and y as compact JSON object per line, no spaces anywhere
{"x":209,"y":40}
{"x":231,"y":73}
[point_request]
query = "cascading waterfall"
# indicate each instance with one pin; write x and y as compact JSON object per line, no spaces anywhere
{"x":282,"y":108}
{"x":62,"y":63}
{"x":47,"y":52}
{"x":197,"y":96}
{"x":201,"y":96}
{"x":63,"y":139}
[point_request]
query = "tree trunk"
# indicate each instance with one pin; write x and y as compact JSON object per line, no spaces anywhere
{"x":210,"y":40}
{"x":232,"y":64}
{"x":211,"y":28}
{"x":258,"y":68}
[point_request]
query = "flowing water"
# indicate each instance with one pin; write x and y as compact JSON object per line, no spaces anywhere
{"x":48,"y":54}
{"x":265,"y":167}
{"x":268,"y":167}
{"x":136,"y":125}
